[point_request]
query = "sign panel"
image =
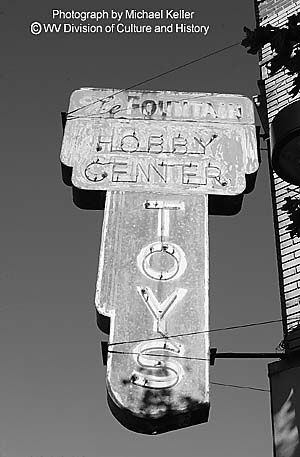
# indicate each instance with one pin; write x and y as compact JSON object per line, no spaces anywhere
{"x":160,"y":141}
{"x":159,"y":155}
{"x":153,"y":284}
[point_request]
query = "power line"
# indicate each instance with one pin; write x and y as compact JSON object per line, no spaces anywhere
{"x":239,"y":387}
{"x":191,"y":358}
{"x":171,"y":70}
{"x":158,"y":355}
{"x":233,"y":327}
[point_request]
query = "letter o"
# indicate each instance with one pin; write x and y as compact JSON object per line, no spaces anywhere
{"x":148,"y":107}
{"x":176,"y":254}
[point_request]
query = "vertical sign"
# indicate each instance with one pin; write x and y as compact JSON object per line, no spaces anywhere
{"x":153,"y":283}
{"x":158,"y":155}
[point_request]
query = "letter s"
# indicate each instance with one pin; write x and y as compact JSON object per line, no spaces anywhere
{"x":156,"y":368}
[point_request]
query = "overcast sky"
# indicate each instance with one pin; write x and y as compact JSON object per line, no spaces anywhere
{"x":52,"y":384}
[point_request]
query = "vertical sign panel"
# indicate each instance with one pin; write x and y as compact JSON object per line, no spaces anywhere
{"x":153,"y":284}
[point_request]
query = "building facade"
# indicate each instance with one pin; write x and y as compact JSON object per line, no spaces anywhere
{"x":284,"y":375}
{"x":275,"y":91}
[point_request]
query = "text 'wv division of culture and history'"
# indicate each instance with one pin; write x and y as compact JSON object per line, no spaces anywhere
{"x":125,"y":21}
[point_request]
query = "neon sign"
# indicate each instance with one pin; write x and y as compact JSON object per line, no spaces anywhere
{"x":160,"y":141}
{"x":153,"y":284}
{"x":158,"y":155}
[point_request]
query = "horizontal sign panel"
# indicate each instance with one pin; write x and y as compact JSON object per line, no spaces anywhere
{"x":207,"y":149}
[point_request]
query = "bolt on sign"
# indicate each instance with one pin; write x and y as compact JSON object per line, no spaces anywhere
{"x":158,"y":155}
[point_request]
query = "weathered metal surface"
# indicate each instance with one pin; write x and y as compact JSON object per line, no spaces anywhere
{"x":159,"y":155}
{"x":153,"y":284}
{"x":160,"y":141}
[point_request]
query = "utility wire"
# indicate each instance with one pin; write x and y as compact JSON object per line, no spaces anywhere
{"x":159,"y":355}
{"x":193,"y":358}
{"x":239,"y":387}
{"x":171,"y":70}
{"x":233,"y":327}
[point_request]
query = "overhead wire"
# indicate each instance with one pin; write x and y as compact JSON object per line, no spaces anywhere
{"x":159,"y":355}
{"x":159,"y":75}
{"x":239,"y":387}
{"x":233,"y":327}
{"x":194,"y":358}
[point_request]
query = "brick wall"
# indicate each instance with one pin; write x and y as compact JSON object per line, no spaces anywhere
{"x":276,"y":12}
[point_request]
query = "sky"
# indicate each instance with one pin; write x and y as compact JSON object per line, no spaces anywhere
{"x":52,"y":383}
